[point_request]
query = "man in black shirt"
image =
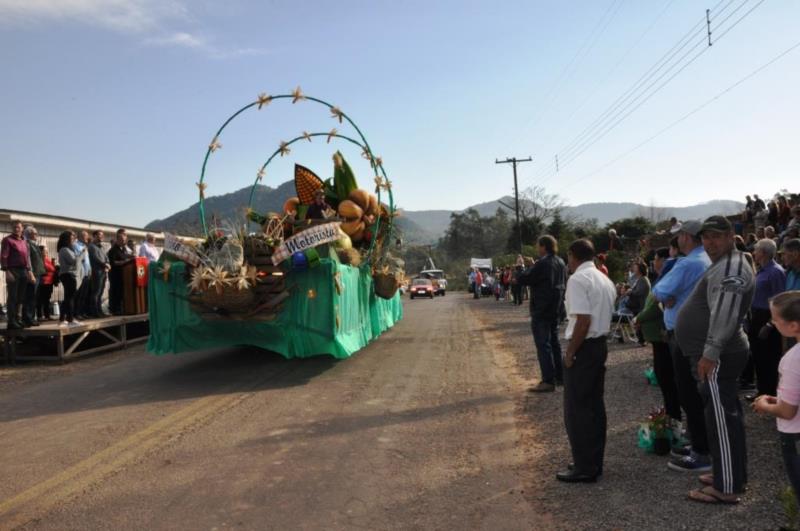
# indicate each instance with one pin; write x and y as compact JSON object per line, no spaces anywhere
{"x":119,"y":255}
{"x":548,"y":281}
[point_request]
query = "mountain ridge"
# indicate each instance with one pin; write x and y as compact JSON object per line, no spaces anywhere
{"x":424,"y":226}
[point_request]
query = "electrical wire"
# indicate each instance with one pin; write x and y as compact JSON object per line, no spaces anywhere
{"x":616,"y":66}
{"x":577,"y":151}
{"x":738,"y":21}
{"x":549,"y":97}
{"x":696,"y":30}
{"x":689,"y":114}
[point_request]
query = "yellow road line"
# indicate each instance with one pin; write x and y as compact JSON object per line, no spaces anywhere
{"x":36,"y":500}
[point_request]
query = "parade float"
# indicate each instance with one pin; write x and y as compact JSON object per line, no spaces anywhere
{"x":316,"y":278}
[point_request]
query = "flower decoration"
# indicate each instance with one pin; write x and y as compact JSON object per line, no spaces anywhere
{"x":297,"y":95}
{"x":219,"y":279}
{"x":214,"y":145}
{"x":166,"y":266}
{"x":284,"y":148}
{"x":198,"y":282}
{"x":378,"y":161}
{"x":263,"y":99}
{"x":336,"y":112}
{"x":380,"y":182}
{"x":307,"y":135}
{"x":202,"y":187}
{"x":260,"y":174}
{"x":242,"y":281}
{"x":366,"y":154}
{"x":252,"y":274}
{"x":332,"y":134}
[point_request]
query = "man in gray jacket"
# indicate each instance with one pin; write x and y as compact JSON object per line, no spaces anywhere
{"x":100,"y":267}
{"x":709,"y":332}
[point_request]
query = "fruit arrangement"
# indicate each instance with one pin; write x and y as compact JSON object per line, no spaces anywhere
{"x":357,"y":209}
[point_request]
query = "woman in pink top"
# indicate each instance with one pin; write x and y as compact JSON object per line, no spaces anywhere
{"x":785,"y":309}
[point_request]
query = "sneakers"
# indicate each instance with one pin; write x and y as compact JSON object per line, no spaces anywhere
{"x":62,"y":324}
{"x":75,"y":323}
{"x":690,"y":463}
{"x":679,"y":452}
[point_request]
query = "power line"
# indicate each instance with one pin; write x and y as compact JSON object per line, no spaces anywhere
{"x":577,"y":151}
{"x":620,"y":117}
{"x":631,"y":106}
{"x":653,"y":70}
{"x":617,"y":65}
{"x":739,"y":20}
{"x":548,"y":99}
{"x":687,"y":115}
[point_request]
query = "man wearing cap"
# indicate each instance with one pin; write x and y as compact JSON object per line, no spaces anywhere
{"x":672,"y":291}
{"x":709,"y":330}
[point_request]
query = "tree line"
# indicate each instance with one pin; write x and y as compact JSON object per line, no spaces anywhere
{"x":470,"y":235}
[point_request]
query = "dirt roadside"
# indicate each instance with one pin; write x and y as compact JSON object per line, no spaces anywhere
{"x":637,"y":490}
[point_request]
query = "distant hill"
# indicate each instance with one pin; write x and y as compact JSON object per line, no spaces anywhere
{"x":437,"y":221}
{"x":266,"y":199}
{"x":425,"y":226}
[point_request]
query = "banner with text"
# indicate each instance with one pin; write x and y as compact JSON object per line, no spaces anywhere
{"x":307,"y":239}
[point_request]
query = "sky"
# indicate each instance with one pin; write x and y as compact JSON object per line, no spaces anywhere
{"x":108,"y":106}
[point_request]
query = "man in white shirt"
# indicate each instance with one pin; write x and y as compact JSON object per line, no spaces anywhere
{"x":148,"y":249}
{"x":589,"y":300}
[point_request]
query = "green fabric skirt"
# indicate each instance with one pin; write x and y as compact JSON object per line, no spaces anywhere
{"x":307,"y":326}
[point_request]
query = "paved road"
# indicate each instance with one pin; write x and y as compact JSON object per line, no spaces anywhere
{"x":418,"y":430}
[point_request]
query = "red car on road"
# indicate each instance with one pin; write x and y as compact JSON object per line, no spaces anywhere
{"x":421,"y":287}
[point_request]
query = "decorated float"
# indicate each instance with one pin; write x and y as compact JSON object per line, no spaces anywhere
{"x":317,"y":278}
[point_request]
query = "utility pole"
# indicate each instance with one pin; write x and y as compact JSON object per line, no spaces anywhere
{"x":514,"y":161}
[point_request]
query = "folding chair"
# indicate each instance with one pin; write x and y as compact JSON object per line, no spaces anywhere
{"x":623,"y":326}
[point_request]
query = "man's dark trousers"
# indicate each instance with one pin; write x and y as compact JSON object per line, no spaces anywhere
{"x":16,"y":294}
{"x":584,"y":408}
{"x":725,"y":422}
{"x":29,"y":306}
{"x":98,"y":284}
{"x":689,"y":396}
{"x":82,"y":296}
{"x":548,"y":350}
{"x":115,"y":292}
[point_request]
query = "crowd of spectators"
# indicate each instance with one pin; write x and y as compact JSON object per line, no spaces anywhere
{"x":83,"y":266}
{"x":720,"y":306}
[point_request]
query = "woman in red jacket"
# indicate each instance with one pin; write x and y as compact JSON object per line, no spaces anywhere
{"x":45,"y":290}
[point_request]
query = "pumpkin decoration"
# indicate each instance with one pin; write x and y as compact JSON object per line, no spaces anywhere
{"x":356,"y":212}
{"x":349,"y":210}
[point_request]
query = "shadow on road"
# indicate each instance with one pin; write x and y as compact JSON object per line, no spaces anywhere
{"x":353,"y":423}
{"x":149,"y":379}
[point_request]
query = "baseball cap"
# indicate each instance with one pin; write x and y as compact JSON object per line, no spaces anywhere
{"x":692,"y":226}
{"x":716,"y":224}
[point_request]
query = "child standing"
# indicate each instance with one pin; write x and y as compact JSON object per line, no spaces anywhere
{"x":785,"y":309}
